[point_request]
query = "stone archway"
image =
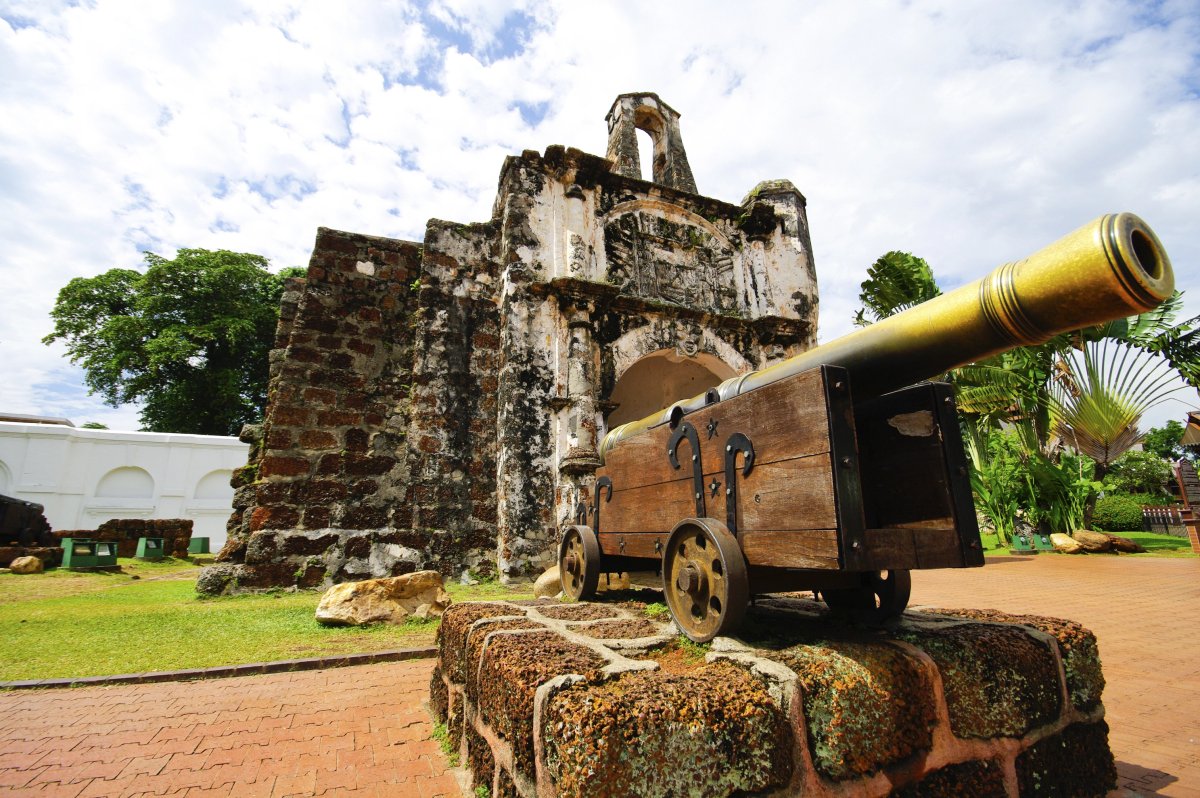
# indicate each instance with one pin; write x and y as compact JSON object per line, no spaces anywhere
{"x":662,"y":378}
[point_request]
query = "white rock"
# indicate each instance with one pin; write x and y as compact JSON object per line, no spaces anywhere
{"x":384,"y":600}
{"x":548,"y":585}
{"x":1065,"y":543}
{"x":27,"y":565}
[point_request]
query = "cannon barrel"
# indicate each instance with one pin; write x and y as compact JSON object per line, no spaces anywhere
{"x":1108,"y":269}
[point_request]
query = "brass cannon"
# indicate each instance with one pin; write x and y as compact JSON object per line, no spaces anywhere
{"x":825,"y":472}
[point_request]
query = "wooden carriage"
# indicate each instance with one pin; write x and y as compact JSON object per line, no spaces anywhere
{"x":788,"y":487}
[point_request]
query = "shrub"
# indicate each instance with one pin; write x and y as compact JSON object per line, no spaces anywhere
{"x":1138,"y":472}
{"x":1122,"y":512}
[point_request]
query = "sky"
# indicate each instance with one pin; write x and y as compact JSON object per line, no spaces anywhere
{"x":970,"y":133}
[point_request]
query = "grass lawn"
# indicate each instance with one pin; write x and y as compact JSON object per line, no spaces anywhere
{"x":65,"y":624}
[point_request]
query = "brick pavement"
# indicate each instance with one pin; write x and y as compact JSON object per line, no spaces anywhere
{"x":362,"y":731}
{"x":358,"y":731}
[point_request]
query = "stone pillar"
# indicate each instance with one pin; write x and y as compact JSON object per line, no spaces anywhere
{"x":578,"y":412}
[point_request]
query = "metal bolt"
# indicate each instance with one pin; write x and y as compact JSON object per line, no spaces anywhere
{"x":728,"y":448}
{"x":974,"y":544}
{"x":847,"y":462}
{"x":728,"y":491}
{"x":697,"y":495}
{"x":856,"y":545}
{"x":695,"y":458}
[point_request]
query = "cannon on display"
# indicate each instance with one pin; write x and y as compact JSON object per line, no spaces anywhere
{"x":838,"y":470}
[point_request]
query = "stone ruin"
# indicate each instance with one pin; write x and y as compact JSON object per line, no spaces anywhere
{"x":439,"y":404}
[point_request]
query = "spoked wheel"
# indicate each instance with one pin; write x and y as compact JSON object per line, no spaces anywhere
{"x":882,"y":596}
{"x":579,"y":562}
{"x":704,"y":579}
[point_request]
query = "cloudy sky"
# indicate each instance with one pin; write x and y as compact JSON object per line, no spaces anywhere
{"x":970,"y":133}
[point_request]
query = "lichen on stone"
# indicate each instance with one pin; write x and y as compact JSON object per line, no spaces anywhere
{"x":976,"y":779}
{"x":452,"y":633}
{"x":999,"y":681}
{"x":1075,"y":763}
{"x":1077,"y":645}
{"x":867,"y":705}
{"x":511,"y":669}
{"x":712,"y":731}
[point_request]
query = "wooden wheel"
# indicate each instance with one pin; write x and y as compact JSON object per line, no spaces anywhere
{"x":704,"y":579}
{"x":579,"y":562}
{"x":883,"y":595}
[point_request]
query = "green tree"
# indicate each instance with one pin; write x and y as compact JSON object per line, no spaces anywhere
{"x":1164,"y":441}
{"x":1138,"y":472}
{"x":188,"y":338}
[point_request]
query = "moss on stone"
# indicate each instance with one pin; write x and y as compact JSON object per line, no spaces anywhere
{"x":982,"y":779}
{"x":480,"y":760}
{"x":452,"y":633}
{"x":712,"y":731}
{"x":1077,"y":645}
{"x":1075,"y":763}
{"x":867,"y":705}
{"x":999,"y":681}
{"x":479,"y":636}
{"x":510,"y":671}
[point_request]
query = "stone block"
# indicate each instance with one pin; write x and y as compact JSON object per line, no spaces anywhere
{"x":553,"y":699}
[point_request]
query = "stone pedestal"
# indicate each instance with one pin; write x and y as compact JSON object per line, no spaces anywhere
{"x":604,"y":699}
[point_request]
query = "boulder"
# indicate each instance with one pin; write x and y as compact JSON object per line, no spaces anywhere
{"x":27,"y":565}
{"x":1125,"y":544}
{"x":1065,"y":543}
{"x":390,"y":600}
{"x":1092,"y":541}
{"x":549,"y":584}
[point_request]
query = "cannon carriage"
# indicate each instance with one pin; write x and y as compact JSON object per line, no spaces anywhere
{"x":832,"y":471}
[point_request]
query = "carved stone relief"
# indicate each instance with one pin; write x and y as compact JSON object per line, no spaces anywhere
{"x":670,"y":261}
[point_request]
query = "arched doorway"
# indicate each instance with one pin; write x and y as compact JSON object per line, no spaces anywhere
{"x":660,"y":379}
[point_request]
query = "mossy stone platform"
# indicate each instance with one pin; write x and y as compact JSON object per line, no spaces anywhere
{"x":605,"y":699}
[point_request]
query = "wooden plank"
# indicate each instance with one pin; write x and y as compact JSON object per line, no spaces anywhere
{"x":792,"y":494}
{"x":938,"y":548}
{"x":890,"y":548}
{"x":784,"y":420}
{"x":913,"y":547}
{"x":637,"y":544}
{"x":808,"y":548}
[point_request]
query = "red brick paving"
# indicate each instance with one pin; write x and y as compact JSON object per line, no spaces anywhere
{"x":362,"y":731}
{"x":359,"y":731}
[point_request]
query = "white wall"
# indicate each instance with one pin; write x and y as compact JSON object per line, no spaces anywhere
{"x":84,"y":477}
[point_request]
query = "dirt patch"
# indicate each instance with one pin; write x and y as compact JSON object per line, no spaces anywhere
{"x":578,"y":612}
{"x":621,"y":630}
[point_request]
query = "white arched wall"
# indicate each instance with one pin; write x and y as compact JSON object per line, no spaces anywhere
{"x":84,"y":477}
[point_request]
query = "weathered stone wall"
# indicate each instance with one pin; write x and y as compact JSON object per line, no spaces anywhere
{"x":548,"y":699}
{"x":439,"y":405}
{"x":330,"y":472}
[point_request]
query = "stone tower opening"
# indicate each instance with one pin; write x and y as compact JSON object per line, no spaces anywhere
{"x":661,"y":379}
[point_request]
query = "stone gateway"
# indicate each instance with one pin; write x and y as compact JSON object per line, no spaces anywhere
{"x":438,"y":404}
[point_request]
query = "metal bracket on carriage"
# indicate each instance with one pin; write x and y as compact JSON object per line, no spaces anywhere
{"x":603,"y":483}
{"x":686,"y":430}
{"x":736,"y":444}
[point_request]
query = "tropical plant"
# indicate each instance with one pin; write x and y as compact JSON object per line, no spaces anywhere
{"x":1164,"y":441}
{"x":895,"y":282}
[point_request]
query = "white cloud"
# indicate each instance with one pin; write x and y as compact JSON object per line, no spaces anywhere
{"x":967,"y":133}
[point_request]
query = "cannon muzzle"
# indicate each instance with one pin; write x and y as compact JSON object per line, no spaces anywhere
{"x":1108,"y":269}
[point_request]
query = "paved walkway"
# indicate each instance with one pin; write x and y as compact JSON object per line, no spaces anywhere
{"x":361,"y":731}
